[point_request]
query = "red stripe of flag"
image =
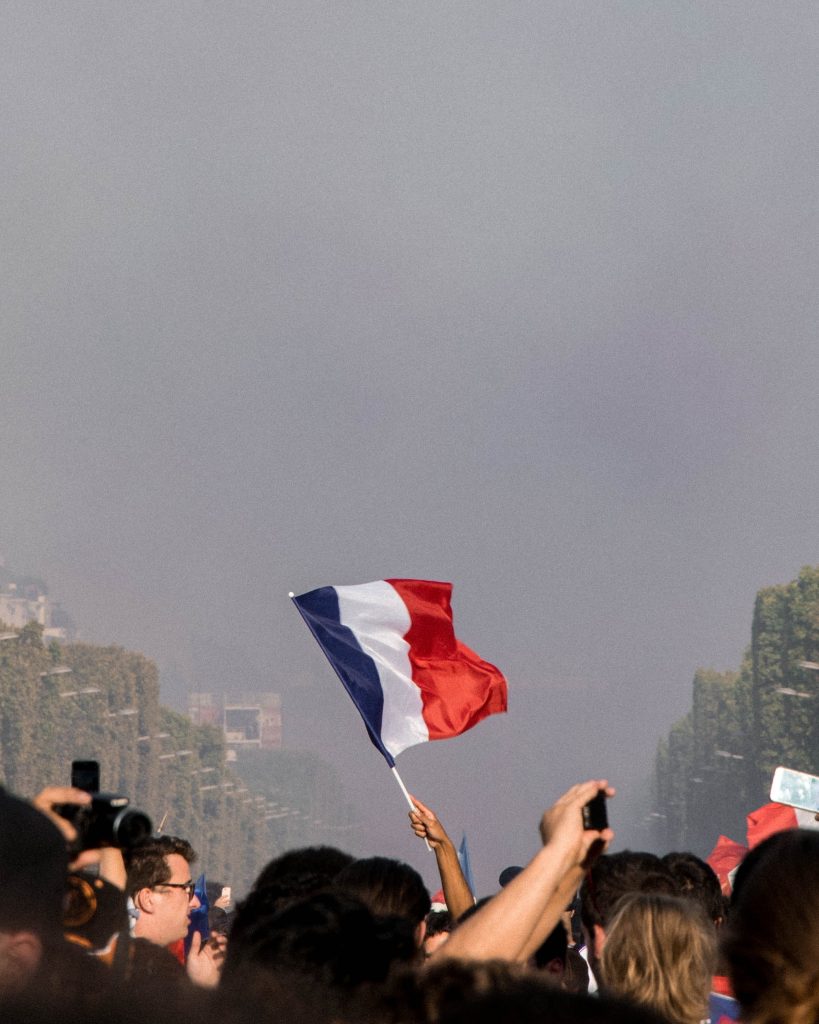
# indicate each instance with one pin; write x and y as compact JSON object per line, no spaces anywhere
{"x":458,"y":688}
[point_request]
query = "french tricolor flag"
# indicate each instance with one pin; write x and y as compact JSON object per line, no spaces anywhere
{"x":393,"y":646}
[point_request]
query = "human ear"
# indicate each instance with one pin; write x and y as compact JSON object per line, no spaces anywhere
{"x":145,"y":900}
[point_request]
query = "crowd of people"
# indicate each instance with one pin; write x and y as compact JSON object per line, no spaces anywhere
{"x":578,"y":935}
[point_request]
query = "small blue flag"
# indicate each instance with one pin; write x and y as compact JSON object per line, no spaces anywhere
{"x":466,"y":867}
{"x":199,"y":916}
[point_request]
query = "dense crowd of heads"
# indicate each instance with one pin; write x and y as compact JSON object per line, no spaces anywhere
{"x":324,"y":937}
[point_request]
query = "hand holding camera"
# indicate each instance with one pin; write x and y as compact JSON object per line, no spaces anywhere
{"x":107,"y":820}
{"x":48,"y":801}
{"x":91,"y":820}
{"x":576,"y":826}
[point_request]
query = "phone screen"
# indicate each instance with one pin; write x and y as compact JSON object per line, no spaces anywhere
{"x":796,"y":789}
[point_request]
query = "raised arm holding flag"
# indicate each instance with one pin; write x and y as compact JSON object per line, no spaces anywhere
{"x":393,"y":646}
{"x":458,"y":895}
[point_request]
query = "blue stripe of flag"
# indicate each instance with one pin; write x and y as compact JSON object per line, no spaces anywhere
{"x":355,"y":669}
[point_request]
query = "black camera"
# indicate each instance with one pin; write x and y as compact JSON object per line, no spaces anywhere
{"x":107,"y":821}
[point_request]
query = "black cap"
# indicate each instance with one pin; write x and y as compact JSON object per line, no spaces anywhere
{"x":506,"y":876}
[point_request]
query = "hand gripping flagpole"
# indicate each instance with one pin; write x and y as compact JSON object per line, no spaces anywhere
{"x":403,"y":788}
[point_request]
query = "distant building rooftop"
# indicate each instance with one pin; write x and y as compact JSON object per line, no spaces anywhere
{"x":249,"y":720}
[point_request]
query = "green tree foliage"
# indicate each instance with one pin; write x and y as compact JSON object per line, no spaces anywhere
{"x":785,"y":633}
{"x":79,"y":701}
{"x":718,"y":761}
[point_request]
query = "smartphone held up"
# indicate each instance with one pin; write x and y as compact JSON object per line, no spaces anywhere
{"x":796,"y":789}
{"x":595,"y":815}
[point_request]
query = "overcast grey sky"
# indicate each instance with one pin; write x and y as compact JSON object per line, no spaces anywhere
{"x":518,"y":295}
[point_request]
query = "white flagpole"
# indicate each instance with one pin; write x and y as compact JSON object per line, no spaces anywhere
{"x":403,"y":788}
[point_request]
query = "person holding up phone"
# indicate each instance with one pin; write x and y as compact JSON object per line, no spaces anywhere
{"x":514,"y":923}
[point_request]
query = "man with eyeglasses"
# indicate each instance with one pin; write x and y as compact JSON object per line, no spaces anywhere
{"x":161,"y":888}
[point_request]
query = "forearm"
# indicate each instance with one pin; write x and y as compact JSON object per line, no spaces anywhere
{"x":502,"y":928}
{"x":457,"y":894}
{"x":552,"y":912}
{"x":506,"y":925}
{"x":112,"y":867}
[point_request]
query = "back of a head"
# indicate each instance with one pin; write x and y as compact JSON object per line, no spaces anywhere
{"x":697,"y":881}
{"x":616,"y":875}
{"x":388,"y":887}
{"x":263,"y":902}
{"x":496,"y":992}
{"x":771,"y":941}
{"x":320,"y":862}
{"x":438,"y":921}
{"x":330,"y":937}
{"x":33,"y":869}
{"x":576,"y":975}
{"x":660,"y":952}
{"x":551,"y":953}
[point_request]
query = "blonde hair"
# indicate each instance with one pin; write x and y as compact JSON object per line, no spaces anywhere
{"x":660,"y":951}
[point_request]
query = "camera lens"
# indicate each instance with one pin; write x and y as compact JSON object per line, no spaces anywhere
{"x":129,"y":827}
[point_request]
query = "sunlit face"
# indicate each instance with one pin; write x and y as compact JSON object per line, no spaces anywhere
{"x":171,"y":905}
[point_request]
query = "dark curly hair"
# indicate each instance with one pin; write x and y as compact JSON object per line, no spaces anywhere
{"x":697,"y":881}
{"x":146,"y":864}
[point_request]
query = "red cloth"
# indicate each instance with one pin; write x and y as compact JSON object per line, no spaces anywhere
{"x":767,"y":820}
{"x":178,"y":950}
{"x":725,"y":856}
{"x":721,"y":984}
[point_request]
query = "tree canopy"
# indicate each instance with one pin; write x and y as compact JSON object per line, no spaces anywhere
{"x":717,"y":763}
{"x":77,"y":701}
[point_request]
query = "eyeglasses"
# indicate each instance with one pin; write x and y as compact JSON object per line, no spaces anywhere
{"x":188,"y":886}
